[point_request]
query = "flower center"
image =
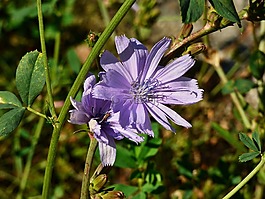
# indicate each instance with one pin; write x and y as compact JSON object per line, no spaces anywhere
{"x":144,"y":92}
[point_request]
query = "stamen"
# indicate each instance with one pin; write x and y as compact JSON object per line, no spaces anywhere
{"x":145,"y":92}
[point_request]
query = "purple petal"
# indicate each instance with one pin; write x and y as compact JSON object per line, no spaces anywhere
{"x":160,"y":117}
{"x":132,"y":53}
{"x":124,"y":109}
{"x":109,"y":62}
{"x":129,"y":132}
{"x":102,"y":91}
{"x":154,"y":58}
{"x":78,"y":117}
{"x":175,"y":69}
{"x":184,"y":97}
{"x":142,"y":120}
{"x":182,"y":91}
{"x":107,"y":153}
{"x":89,"y":83}
{"x":116,"y":80}
{"x":160,"y":112}
{"x":77,"y":105}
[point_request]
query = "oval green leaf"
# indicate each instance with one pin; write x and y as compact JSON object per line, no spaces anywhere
{"x":226,"y":9}
{"x":244,"y":85}
{"x":248,"y":156}
{"x":30,"y":76}
{"x":256,"y":140}
{"x":8,"y":100}
{"x":248,"y":142}
{"x":124,"y":158}
{"x":191,"y":10}
{"x":10,"y":120}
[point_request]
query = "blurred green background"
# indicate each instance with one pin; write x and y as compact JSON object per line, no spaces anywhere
{"x":201,"y":162}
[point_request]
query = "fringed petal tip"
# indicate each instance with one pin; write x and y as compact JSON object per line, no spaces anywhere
{"x":107,"y":154}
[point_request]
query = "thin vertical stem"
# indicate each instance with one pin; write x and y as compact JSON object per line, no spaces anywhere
{"x":104,"y":14}
{"x":26,"y":171}
{"x":56,"y":49}
{"x":88,"y":164}
{"x":43,"y":49}
{"x":233,"y":96}
{"x":74,"y":89}
{"x":246,"y":179}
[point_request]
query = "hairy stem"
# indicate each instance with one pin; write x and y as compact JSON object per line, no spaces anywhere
{"x":88,"y":163}
{"x":74,"y":89}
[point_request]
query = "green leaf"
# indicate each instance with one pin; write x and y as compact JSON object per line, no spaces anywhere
{"x":140,"y":195}
{"x":73,"y":60}
{"x":248,"y":142}
{"x":226,"y":9}
{"x":244,"y":85}
{"x":248,"y":156}
{"x":8,"y":100}
{"x":126,"y":189}
{"x":148,"y":152}
{"x":30,"y":76}
{"x":257,"y":64}
{"x":191,"y":10}
{"x":228,"y":88}
{"x":124,"y":158}
{"x":256,"y":140}
{"x":10,"y":120}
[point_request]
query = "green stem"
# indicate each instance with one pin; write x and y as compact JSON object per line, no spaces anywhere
{"x":88,"y":163}
{"x":43,"y":49}
{"x":246,"y":179}
{"x":209,"y":27}
{"x":26,"y":171}
{"x":233,"y":96}
{"x":56,"y":49}
{"x":105,"y":15}
{"x":18,"y":158}
{"x":74,"y":89}
{"x":36,"y":112}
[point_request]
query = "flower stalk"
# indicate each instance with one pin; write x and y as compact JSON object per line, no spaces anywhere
{"x":89,"y":159}
{"x":43,"y":49}
{"x":74,"y":89}
{"x":246,"y":179}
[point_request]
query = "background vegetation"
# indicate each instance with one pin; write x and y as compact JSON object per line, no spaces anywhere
{"x":201,"y":162}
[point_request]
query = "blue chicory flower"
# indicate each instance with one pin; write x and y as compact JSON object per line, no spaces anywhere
{"x":103,"y":123}
{"x":138,"y":85}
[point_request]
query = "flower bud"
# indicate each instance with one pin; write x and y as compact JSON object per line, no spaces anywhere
{"x":113,"y":195}
{"x":185,"y":31}
{"x":92,"y":38}
{"x":195,"y":49}
{"x":214,"y":19}
{"x":98,"y":183}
